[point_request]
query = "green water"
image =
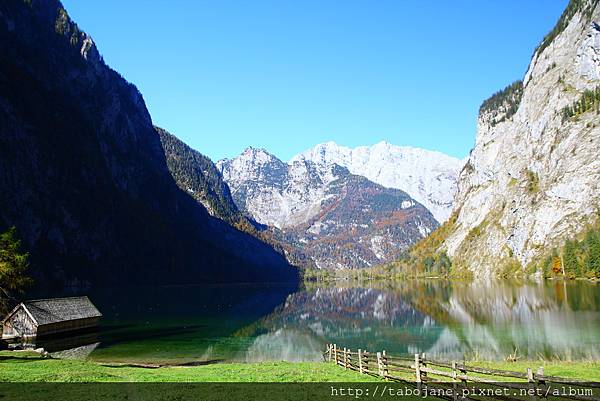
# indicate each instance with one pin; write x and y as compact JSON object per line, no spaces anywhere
{"x":450,"y":320}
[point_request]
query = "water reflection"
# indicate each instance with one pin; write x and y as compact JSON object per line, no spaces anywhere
{"x":445,"y":320}
{"x":449,"y":320}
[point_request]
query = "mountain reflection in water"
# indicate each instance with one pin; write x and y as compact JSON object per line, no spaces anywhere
{"x":447,"y":320}
{"x":443,"y":319}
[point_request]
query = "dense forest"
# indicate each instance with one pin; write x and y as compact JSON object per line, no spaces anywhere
{"x":589,"y":100}
{"x":197,"y":175}
{"x":504,"y":101}
{"x":572,"y":8}
{"x":577,"y":257}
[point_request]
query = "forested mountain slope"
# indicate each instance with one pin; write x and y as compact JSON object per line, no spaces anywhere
{"x":337,"y":219}
{"x":84,"y":176}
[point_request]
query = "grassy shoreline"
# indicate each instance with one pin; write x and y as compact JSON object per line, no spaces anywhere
{"x":31,"y":367}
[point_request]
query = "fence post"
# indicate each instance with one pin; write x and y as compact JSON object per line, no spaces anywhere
{"x":335,"y":354}
{"x":541,"y":383}
{"x":329,"y":352}
{"x":531,"y":382}
{"x":424,"y":364}
{"x":385,"y":369}
{"x":345,"y":358}
{"x":463,"y":373}
{"x":417,"y":368}
{"x":454,"y":388}
{"x":366,"y":358}
{"x":379,"y":366}
{"x":360,"y":365}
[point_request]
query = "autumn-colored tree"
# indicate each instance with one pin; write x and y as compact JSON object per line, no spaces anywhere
{"x":13,"y":265}
{"x":556,"y":265}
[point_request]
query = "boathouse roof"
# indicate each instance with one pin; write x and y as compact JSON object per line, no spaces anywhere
{"x":55,"y":310}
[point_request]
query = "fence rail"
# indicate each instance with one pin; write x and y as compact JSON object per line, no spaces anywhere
{"x":424,"y":370}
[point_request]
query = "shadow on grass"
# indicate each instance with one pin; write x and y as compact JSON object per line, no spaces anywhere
{"x":22,"y":358}
{"x":167,"y":365}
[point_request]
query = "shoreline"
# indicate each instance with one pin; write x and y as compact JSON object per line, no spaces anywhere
{"x":19,"y":366}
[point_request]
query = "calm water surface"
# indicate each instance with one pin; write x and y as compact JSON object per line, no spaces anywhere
{"x":449,"y":320}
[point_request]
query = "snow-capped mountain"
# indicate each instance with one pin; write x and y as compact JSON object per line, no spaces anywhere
{"x":273,"y":192}
{"x":427,"y":176}
{"x":337,"y":218}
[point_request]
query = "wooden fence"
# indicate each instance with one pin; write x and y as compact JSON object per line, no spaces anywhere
{"x":454,"y":374}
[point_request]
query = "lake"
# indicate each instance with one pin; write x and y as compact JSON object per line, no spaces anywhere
{"x":248,"y":323}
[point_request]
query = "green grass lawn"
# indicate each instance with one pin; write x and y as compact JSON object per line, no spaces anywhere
{"x":584,"y":370}
{"x":29,"y":366}
{"x":26,"y":366}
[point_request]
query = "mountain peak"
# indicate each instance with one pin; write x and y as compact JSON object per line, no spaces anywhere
{"x":429,"y":177}
{"x":257,"y":155}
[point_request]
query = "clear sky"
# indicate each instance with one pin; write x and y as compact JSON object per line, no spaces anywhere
{"x":288,"y":74}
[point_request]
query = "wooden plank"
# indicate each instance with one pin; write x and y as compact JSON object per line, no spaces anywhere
{"x":399,"y":358}
{"x":492,"y":372}
{"x":564,"y":380}
{"x":401,"y":365}
{"x":345,"y":358}
{"x":418,"y":368}
{"x":360,"y":362}
{"x":436,"y":372}
{"x":441,"y":364}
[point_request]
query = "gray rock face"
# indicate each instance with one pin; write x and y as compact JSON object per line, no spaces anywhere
{"x":336,"y":218}
{"x":271,"y":191}
{"x":427,"y":176}
{"x":532,"y":179}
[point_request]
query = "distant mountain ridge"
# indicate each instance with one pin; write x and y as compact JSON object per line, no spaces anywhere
{"x":429,"y":177}
{"x":196,"y":174}
{"x":337,"y":218}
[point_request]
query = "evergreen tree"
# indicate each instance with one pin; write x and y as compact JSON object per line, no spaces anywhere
{"x":443,"y":263}
{"x":592,"y":263}
{"x":571,"y":264}
{"x":13,"y":265}
{"x":547,"y":266}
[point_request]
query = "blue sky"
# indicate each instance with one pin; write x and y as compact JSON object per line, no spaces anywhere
{"x":285,"y":75}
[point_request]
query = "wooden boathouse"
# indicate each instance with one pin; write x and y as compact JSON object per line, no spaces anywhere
{"x":43,"y":317}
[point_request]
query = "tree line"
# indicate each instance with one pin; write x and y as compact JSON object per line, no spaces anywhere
{"x":576,"y":258}
{"x":589,"y":100}
{"x":507,"y":100}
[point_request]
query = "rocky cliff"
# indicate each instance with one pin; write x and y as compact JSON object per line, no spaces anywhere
{"x":533,"y":177}
{"x":336,"y":218}
{"x":83,"y":173}
{"x":428,"y":177}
